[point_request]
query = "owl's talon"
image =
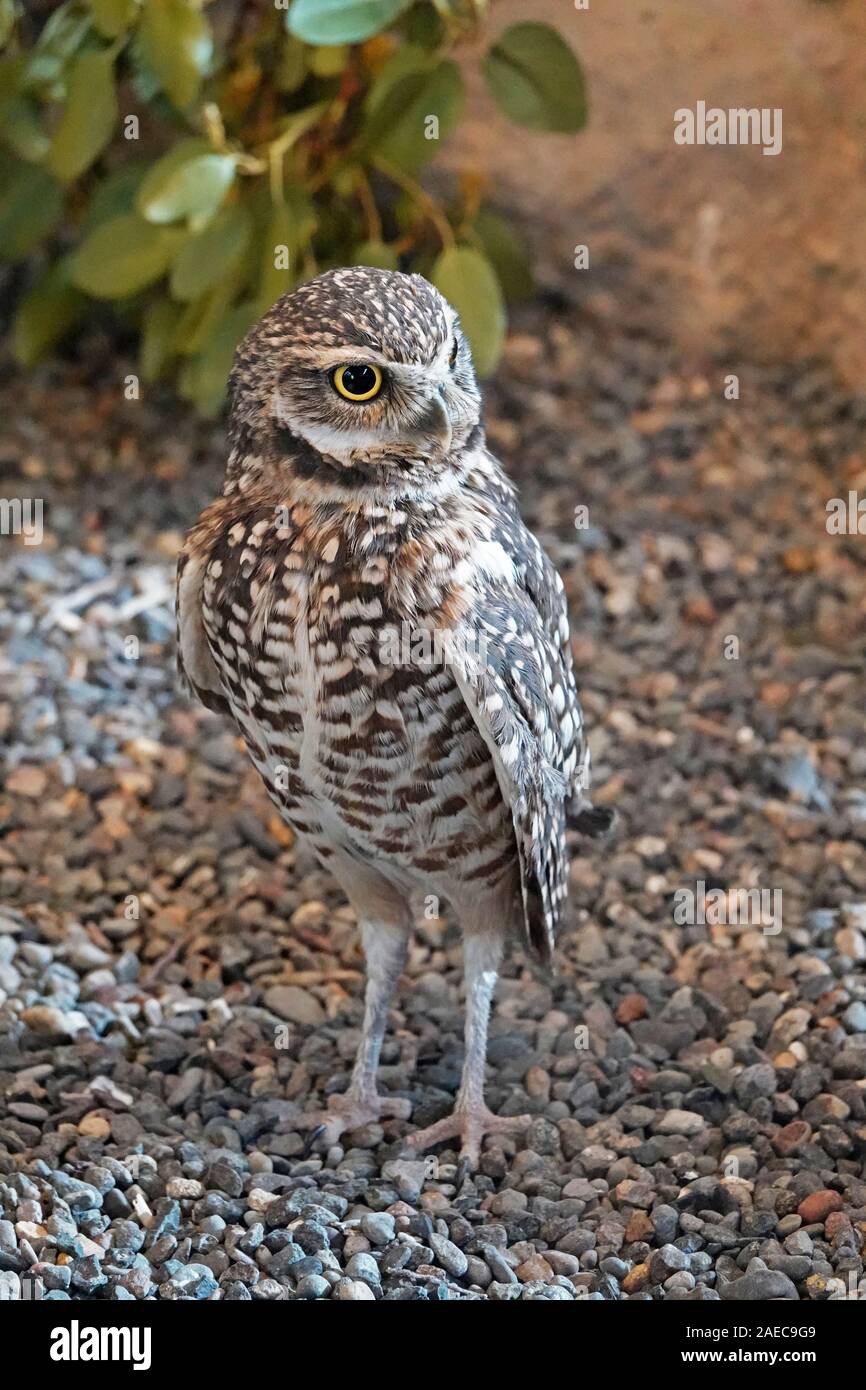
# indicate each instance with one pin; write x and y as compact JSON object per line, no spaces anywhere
{"x":348,"y":1112}
{"x":469,"y":1126}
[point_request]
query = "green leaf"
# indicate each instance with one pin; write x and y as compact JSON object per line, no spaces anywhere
{"x":203,"y":378}
{"x":20,"y":114}
{"x":45,"y":315}
{"x":468,"y":281}
{"x":424,"y":25}
{"x":407,"y":126}
{"x":375,"y":253}
{"x":186,"y":183}
{"x":536,"y":79}
{"x":292,"y":67}
{"x":342,"y":21}
{"x":174,"y":159}
{"x":62,"y":36}
{"x":289,"y":225}
{"x":409,"y":58}
{"x":122,"y":256}
{"x":8,"y":13}
{"x":201,"y":318}
{"x":158,"y":329}
{"x":88,"y":118}
{"x":31,"y":202}
{"x":113,"y":195}
{"x":278,"y":271}
{"x":207,"y":258}
{"x":175,"y":41}
{"x":329,"y":61}
{"x":113,"y":17}
{"x":507,"y":252}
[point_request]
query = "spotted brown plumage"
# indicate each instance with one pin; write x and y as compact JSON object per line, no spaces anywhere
{"x":365,"y":602}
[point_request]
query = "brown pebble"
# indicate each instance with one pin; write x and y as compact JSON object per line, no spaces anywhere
{"x":818,"y":1205}
{"x":639,"y":1227}
{"x":536,"y":1267}
{"x":798,"y":559}
{"x":538,"y":1083}
{"x":636,"y":1279}
{"x":27,"y":781}
{"x":94,"y":1125}
{"x":632,"y":1007}
{"x":699,"y":609}
{"x":791,"y":1137}
{"x":837,"y":1223}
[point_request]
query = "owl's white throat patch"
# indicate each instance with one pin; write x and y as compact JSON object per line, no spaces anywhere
{"x":342,"y":445}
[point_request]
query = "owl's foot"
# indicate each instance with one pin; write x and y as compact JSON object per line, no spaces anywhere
{"x":351,"y":1111}
{"x":469,"y":1124}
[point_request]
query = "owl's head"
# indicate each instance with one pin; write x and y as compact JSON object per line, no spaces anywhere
{"x":366,"y":370}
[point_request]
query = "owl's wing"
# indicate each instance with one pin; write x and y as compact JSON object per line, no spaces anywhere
{"x":513,"y":667}
{"x":195,"y":662}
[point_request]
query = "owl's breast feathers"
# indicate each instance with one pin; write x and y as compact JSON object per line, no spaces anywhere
{"x":463,"y":566}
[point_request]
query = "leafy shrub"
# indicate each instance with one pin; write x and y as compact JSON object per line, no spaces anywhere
{"x":190,"y":161}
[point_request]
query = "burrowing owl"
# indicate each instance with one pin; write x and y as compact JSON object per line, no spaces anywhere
{"x":365,"y":602}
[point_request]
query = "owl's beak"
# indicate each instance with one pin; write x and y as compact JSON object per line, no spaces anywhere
{"x":436,"y":423}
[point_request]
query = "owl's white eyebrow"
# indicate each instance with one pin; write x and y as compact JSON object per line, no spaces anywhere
{"x":326,"y":358}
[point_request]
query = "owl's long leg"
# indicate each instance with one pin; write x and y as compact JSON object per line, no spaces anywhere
{"x":385,"y":948}
{"x":471,"y":1119}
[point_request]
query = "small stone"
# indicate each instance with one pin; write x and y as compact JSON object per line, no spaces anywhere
{"x":791,"y":1137}
{"x":27,"y":781}
{"x":666,"y":1223}
{"x":854,"y":1017}
{"x":837,"y":1224}
{"x":685,"y":1122}
{"x":362,"y":1266}
{"x":355,"y":1244}
{"x":51,"y":1022}
{"x":825,"y":1108}
{"x":756,"y":1081}
{"x":538,"y":1083}
{"x":378,"y":1227}
{"x":818,"y":1205}
{"x":94,"y":1125}
{"x":295,"y":1005}
{"x":631,"y":1008}
{"x":259,"y":1200}
{"x":759,"y":1284}
{"x":184,"y":1188}
{"x":534,"y":1268}
{"x":639,"y":1227}
{"x":667,"y":1261}
{"x":312,"y":1286}
{"x":562,"y":1264}
{"x":851,"y":942}
{"x":499,"y":1267}
{"x":449,"y":1255}
{"x":408,"y":1177}
{"x":816,"y":1287}
{"x":636,"y":1279}
{"x":354,"y":1291}
{"x":509,"y":1202}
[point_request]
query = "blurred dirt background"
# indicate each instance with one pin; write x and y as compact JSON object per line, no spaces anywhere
{"x":724,"y":248}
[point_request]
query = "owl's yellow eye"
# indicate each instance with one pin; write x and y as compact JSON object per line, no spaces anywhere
{"x":360,"y":381}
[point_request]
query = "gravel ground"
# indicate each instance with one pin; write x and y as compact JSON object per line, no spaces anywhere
{"x":176,"y":984}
